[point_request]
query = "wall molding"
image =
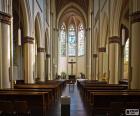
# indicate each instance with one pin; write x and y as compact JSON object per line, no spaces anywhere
{"x":39,"y":49}
{"x":114,"y":39}
{"x":102,"y":49}
{"x":135,"y":17}
{"x":5,"y":18}
{"x":28,"y":39}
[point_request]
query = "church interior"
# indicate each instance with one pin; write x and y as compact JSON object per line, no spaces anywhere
{"x":69,"y":57}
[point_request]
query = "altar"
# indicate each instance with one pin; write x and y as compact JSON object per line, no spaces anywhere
{"x":72,"y":77}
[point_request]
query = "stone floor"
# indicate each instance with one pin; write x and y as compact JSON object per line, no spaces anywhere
{"x":77,"y":107}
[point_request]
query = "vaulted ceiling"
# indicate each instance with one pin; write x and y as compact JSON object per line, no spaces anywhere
{"x":61,"y":3}
{"x":71,"y":14}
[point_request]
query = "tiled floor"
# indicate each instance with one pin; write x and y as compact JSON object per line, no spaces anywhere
{"x":77,"y":107}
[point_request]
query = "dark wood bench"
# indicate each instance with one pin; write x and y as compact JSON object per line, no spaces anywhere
{"x":88,"y":89}
{"x":38,"y":101}
{"x":50,"y":93}
{"x":54,"y":87}
{"x":84,"y":89}
{"x":123,"y":81}
{"x":101,"y":101}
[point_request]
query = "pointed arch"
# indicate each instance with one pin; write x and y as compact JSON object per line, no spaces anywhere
{"x":104,"y":30}
{"x":25,"y":12}
{"x":47,"y":42}
{"x":117,"y":16}
{"x":76,"y":7}
{"x":38,"y":28}
{"x":111,"y":16}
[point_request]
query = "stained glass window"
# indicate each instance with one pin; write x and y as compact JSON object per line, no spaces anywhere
{"x":71,"y":41}
{"x":63,"y":41}
{"x":81,"y":40}
{"x":68,"y":40}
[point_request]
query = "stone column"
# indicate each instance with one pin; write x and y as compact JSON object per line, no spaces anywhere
{"x":28,"y":64}
{"x":135,"y":48}
{"x":94,"y":66}
{"x":101,"y":52}
{"x":40,"y":63}
{"x":5,"y":21}
{"x":114,"y":49}
{"x":55,"y":52}
{"x":88,"y":54}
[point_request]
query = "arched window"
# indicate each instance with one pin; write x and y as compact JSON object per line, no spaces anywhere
{"x":126,"y":51}
{"x":71,"y":41}
{"x":81,"y":41}
{"x":126,"y":58}
{"x":70,"y":44}
{"x":63,"y":40}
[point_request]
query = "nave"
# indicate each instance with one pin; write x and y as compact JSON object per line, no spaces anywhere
{"x":77,"y":106}
{"x":44,"y":43}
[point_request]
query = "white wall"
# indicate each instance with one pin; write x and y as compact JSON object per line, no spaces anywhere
{"x":62,"y":65}
{"x":81,"y":65}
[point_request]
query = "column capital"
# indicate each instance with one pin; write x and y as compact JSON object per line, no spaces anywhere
{"x":5,"y":18}
{"x":135,"y":17}
{"x":28,"y":39}
{"x":40,"y":49}
{"x":114,"y":39}
{"x":102,"y":49}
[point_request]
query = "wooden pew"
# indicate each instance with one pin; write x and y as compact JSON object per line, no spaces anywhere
{"x":50,"y":99}
{"x":85,"y":83}
{"x":81,"y":83}
{"x":85,"y":88}
{"x":61,"y":83}
{"x":37,"y":100}
{"x":123,"y":81}
{"x":88,"y":89}
{"x":54,"y":88}
{"x":39,"y":96}
{"x":55,"y":85}
{"x":101,"y":100}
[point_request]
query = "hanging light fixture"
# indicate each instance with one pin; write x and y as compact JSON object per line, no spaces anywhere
{"x":19,"y":30}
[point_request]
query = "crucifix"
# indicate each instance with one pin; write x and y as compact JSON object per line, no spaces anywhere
{"x":71,"y":62}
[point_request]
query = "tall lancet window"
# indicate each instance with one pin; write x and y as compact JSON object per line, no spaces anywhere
{"x":71,"y":41}
{"x":126,"y":55}
{"x":63,"y":40}
{"x":126,"y":51}
{"x":81,"y":40}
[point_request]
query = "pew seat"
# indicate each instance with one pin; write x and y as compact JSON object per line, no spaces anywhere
{"x":7,"y":107}
{"x":22,"y":108}
{"x":102,"y":102}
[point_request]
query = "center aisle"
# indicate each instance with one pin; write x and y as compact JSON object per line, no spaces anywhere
{"x":77,"y":107}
